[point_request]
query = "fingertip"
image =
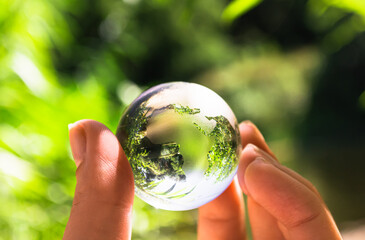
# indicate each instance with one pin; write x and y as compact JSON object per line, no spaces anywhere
{"x":91,"y":127}
{"x":77,"y":138}
{"x":247,"y":122}
{"x":283,"y":196}
{"x":247,"y":131}
{"x":70,"y":126}
{"x":251,"y":134}
{"x":249,"y":128}
{"x":254,"y":171}
{"x":101,"y":142}
{"x":248,"y":154}
{"x":83,"y":133}
{"x":105,"y":161}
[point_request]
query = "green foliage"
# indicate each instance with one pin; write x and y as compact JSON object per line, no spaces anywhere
{"x":237,"y":8}
{"x":184,"y":110}
{"x":341,"y":21}
{"x":153,"y":162}
{"x":223,"y":156}
{"x":148,"y":168}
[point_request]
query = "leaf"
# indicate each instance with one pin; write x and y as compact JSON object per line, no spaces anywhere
{"x":237,"y":8}
{"x":356,"y":6}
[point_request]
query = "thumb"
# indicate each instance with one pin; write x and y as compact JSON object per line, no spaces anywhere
{"x":104,"y":192}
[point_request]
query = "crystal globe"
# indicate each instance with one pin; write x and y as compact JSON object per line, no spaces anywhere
{"x":182,"y":142}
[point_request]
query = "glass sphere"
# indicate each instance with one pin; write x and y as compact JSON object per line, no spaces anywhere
{"x":182,"y":142}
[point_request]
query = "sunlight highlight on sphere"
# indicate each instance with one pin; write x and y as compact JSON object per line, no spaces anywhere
{"x":182,"y":142}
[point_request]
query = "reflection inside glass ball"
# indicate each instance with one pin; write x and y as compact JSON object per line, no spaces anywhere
{"x":182,"y":142}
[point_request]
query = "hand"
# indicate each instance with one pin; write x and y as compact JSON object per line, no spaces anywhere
{"x":282,"y":204}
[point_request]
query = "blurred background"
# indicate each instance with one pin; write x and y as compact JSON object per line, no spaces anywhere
{"x":296,"y":68}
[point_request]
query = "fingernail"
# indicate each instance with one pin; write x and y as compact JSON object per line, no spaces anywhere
{"x":261,"y":156}
{"x":247,"y":122}
{"x":266,"y":156}
{"x":77,"y":142}
{"x":70,"y":126}
{"x":261,"y":160}
{"x":254,"y":147}
{"x":248,"y":147}
{"x":258,"y":160}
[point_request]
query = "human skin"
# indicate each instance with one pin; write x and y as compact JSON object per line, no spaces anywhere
{"x":281,"y":203}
